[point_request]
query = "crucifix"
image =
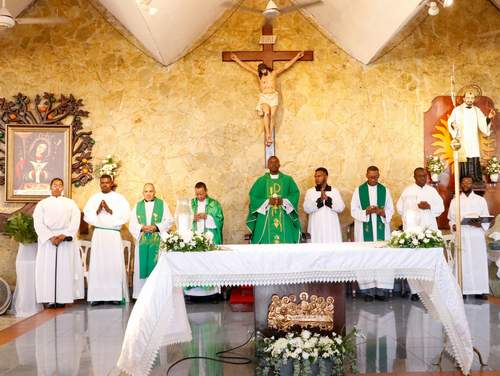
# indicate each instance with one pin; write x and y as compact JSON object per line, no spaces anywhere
{"x":269,"y":97}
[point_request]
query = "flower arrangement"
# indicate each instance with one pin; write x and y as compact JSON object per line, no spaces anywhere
{"x":189,"y":241}
{"x":493,"y":166}
{"x":426,"y":238}
{"x":108,"y":166}
{"x":307,"y":353}
{"x":435,"y":165}
{"x":20,"y":227}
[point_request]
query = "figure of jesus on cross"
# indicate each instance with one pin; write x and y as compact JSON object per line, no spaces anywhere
{"x":268,"y":102}
{"x":269,"y":97}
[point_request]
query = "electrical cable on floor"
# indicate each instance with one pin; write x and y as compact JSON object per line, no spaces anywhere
{"x":238,"y":360}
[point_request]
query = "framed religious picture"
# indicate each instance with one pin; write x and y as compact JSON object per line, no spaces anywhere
{"x":36,"y":154}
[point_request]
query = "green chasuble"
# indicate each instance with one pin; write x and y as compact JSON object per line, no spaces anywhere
{"x":150,"y":242}
{"x":214,"y":209}
{"x":276,"y":226}
{"x":364,"y":199}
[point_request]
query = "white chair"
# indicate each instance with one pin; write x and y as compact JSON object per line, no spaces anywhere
{"x":449,"y":249}
{"x":128,"y":251}
{"x":84,"y":247}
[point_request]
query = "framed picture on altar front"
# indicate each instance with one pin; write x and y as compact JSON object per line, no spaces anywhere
{"x":36,"y":154}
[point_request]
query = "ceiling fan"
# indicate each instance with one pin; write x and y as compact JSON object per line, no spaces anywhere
{"x":7,"y":21}
{"x":272,"y":10}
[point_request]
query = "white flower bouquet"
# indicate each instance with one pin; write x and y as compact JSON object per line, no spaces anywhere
{"x":108,"y":166}
{"x":426,"y":238}
{"x":189,"y":241}
{"x":435,"y":165}
{"x":493,"y":166}
{"x":299,"y":354}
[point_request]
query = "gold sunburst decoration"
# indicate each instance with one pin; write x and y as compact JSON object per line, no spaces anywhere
{"x":443,"y":143}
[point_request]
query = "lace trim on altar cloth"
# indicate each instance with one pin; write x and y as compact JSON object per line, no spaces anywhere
{"x":300,"y":277}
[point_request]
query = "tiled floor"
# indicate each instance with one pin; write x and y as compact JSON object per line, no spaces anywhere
{"x":400,"y":337}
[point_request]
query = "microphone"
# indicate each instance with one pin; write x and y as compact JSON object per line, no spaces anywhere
{"x":68,"y":238}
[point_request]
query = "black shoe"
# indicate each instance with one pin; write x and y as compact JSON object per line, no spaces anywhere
{"x":382,"y":298}
{"x":368,"y":298}
{"x":51,"y":306}
{"x":481,"y":296}
{"x":414,"y":298}
{"x":93,"y":304}
{"x":59,"y":305}
{"x":115,"y":302}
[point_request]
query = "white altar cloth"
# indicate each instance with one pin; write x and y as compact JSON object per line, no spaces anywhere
{"x":159,"y":316}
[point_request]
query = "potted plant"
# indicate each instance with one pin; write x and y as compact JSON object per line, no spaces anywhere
{"x":20,"y":228}
{"x":493,"y":169}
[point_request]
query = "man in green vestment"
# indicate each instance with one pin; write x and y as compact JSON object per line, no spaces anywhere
{"x":272,"y":215}
{"x":208,"y":218}
{"x":208,"y":215}
{"x":372,"y":209}
{"x":149,"y":219}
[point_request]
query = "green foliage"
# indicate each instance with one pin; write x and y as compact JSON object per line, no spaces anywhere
{"x":20,"y":227}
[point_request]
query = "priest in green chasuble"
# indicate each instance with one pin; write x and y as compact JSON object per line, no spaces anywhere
{"x":208,"y":215}
{"x":149,"y":219}
{"x":272,"y":216}
{"x":208,"y":218}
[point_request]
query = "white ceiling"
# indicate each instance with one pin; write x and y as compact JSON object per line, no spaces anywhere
{"x":173,"y":29}
{"x":16,"y":6}
{"x":362,"y":28}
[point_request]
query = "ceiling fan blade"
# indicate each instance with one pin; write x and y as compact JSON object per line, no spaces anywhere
{"x":295,"y":7}
{"x":45,"y":21}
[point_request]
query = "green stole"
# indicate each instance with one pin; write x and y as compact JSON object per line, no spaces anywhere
{"x":364,"y":198}
{"x":214,"y":209}
{"x":149,"y":243}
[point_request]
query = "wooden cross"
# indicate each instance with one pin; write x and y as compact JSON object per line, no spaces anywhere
{"x":268,"y":56}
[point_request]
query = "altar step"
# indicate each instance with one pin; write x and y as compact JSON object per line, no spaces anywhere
{"x":242,"y":299}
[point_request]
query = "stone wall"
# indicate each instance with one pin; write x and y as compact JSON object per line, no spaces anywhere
{"x":195,"y":120}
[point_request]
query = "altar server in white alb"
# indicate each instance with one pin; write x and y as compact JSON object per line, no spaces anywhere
{"x":150,"y":219}
{"x":474,"y":255}
{"x":323,"y":203}
{"x":56,"y":220}
{"x":107,"y":211}
{"x":420,"y":204}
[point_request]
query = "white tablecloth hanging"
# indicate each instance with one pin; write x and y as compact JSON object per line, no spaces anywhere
{"x":24,"y":301}
{"x":159,"y":316}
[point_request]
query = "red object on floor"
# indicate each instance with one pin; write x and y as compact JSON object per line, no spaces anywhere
{"x":242,"y":299}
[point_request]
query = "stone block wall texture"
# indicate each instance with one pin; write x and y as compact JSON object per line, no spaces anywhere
{"x":195,"y":119}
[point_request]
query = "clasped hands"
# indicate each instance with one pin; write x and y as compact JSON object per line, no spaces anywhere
{"x":275,"y":201}
{"x":374,"y":209}
{"x":423,"y":205}
{"x":58,"y":239}
{"x":104,"y":206}
{"x":200,"y":216}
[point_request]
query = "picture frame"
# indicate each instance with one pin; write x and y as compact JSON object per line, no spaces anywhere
{"x":36,"y":154}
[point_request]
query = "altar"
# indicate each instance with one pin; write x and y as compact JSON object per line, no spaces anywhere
{"x":159,"y":316}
